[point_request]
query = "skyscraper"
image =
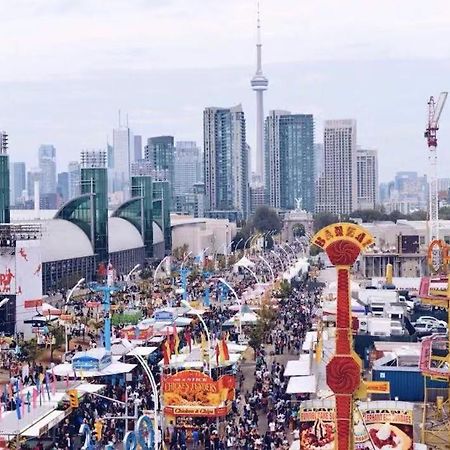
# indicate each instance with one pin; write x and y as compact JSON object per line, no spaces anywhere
{"x":259,"y":84}
{"x":367,"y":178}
{"x":18,"y":181}
{"x":337,"y":187}
{"x":4,"y":179}
{"x":187,"y":167}
{"x":160,"y":152}
{"x":225,"y":160}
{"x":62,"y":187}
{"x":289,"y":159}
{"x":121,"y":158}
{"x":47,"y":165}
{"x":137,"y":147}
{"x":74,"y":171}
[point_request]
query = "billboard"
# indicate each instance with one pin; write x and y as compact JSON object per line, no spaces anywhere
{"x":388,"y":424}
{"x":317,"y":427}
{"x":377,"y":425}
{"x":7,"y":271}
{"x":193,"y":393}
{"x":28,"y":282}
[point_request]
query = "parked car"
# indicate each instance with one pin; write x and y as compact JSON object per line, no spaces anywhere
{"x":432,"y":320}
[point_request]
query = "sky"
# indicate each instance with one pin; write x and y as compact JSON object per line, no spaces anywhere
{"x":67,"y":67}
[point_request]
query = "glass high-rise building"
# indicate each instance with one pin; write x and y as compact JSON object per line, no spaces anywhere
{"x":187,"y":166}
{"x":160,"y":153}
{"x":47,"y":165}
{"x":337,"y":190}
{"x":289,"y":160}
{"x":122,"y":158}
{"x":4,"y":179}
{"x":225,"y":161}
{"x":74,"y":172}
{"x":18,"y":182}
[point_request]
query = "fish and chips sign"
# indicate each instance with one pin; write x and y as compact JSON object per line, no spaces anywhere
{"x":193,"y":393}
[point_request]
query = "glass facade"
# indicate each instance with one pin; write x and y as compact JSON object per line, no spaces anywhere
{"x":95,"y":180}
{"x":4,"y":189}
{"x":143,"y":187}
{"x":289,"y":160}
{"x":161,"y":210}
{"x":65,"y":273}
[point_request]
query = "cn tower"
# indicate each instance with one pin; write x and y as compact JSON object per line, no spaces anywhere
{"x":259,"y":84}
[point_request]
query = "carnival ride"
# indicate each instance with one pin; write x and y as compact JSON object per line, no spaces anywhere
{"x":435,"y":291}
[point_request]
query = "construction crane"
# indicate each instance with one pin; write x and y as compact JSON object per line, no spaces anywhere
{"x":434,"y":113}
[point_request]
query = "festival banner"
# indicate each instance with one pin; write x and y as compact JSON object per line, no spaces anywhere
{"x":191,"y":392}
{"x":317,"y":425}
{"x":377,"y":425}
{"x":378,"y":387}
{"x":389,"y":424}
{"x":7,"y":274}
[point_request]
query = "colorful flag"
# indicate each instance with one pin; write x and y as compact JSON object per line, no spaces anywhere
{"x":166,"y":352}
{"x":204,"y":353}
{"x":225,"y":352}
{"x":188,"y":337}
{"x":176,"y":339}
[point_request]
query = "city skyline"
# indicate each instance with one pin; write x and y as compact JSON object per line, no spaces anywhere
{"x":386,"y":93}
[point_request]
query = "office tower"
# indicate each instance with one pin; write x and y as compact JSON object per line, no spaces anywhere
{"x":337,"y":188}
{"x":367,"y":178}
{"x":47,"y":165}
{"x":18,"y":182}
{"x":137,"y":147}
{"x":160,"y":152}
{"x":4,"y":179}
{"x":225,"y":161}
{"x":74,"y":171}
{"x":259,"y":84}
{"x":94,"y":180}
{"x":62,"y":187}
{"x":162,"y":205}
{"x":121,"y":158}
{"x":110,"y":155}
{"x":257,"y":197}
{"x":318,"y":161}
{"x":187,"y":167}
{"x":33,"y":175}
{"x":290,"y":160}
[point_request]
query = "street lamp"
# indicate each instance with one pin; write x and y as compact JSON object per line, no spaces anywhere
{"x":159,"y":266}
{"x":269,"y":266}
{"x":286,"y":253}
{"x":208,"y":337}
{"x":291,"y":249}
{"x":236,"y":247}
{"x":79,"y":283}
{"x":245,"y":243}
{"x":155,"y":397}
{"x":4,"y":301}
{"x":279,"y":258}
{"x":253,"y":273}
{"x":222,"y":280}
{"x":185,"y":259}
{"x":136,"y":267}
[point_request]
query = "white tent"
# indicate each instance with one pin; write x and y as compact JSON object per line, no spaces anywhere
{"x":302,"y":385}
{"x":243,"y":262}
{"x":300,"y":367}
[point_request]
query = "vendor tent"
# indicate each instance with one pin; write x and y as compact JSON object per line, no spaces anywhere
{"x":302,"y":385}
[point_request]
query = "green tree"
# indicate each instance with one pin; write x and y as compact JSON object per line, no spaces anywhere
{"x":299,"y":230}
{"x":324,"y":219}
{"x":266,"y":219}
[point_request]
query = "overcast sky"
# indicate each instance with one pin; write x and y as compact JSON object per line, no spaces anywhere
{"x":67,"y":66}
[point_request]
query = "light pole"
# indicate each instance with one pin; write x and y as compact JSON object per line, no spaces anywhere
{"x":185,"y":259}
{"x":222,"y":280}
{"x":155,"y":398}
{"x":136,"y":267}
{"x":4,"y":301}
{"x":253,"y":273}
{"x":286,"y":253}
{"x":245,"y":243}
{"x":236,"y":247}
{"x":269,"y":266}
{"x":208,"y":337}
{"x":279,"y":258}
{"x":79,"y":283}
{"x":159,"y":266}
{"x":291,"y":249}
